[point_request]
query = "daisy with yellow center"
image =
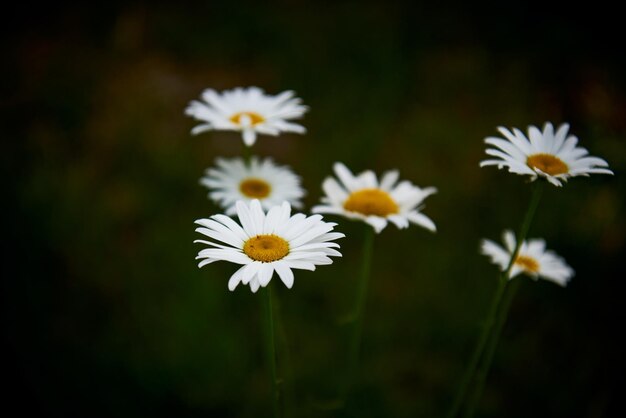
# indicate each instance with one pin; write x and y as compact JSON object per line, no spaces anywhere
{"x":232,"y":180}
{"x":532,"y":259}
{"x":264,"y":243}
{"x":247,"y":110}
{"x":549,"y":154}
{"x":363,"y":197}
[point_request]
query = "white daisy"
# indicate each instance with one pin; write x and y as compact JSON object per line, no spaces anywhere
{"x":532,"y":259}
{"x":264,"y":243}
{"x":549,"y":154}
{"x":249,"y":111}
{"x":363,"y":197}
{"x":234,"y":180}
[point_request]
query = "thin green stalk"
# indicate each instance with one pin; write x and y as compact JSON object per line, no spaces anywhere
{"x":268,"y":314}
{"x":504,"y":309}
{"x":535,"y":198}
{"x":354,"y":323}
{"x":359,"y":308}
{"x":481,"y":377}
{"x":494,"y":309}
{"x":479,"y":349}
{"x":286,"y":364}
{"x":247,"y":155}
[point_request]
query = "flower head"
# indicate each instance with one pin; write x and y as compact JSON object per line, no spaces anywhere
{"x":549,"y":154}
{"x":532,"y":259}
{"x":363,"y":197}
{"x":234,"y":180}
{"x":263,"y":243}
{"x":247,"y":110}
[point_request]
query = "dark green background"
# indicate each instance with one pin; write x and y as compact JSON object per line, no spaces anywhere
{"x":105,"y":313}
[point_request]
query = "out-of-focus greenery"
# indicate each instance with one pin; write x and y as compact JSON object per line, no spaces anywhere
{"x":105,"y":312}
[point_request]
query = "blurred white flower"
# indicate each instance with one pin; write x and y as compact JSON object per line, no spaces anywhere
{"x":532,"y":259}
{"x":263,"y":243}
{"x":549,"y":154}
{"x":363,"y":197}
{"x":247,"y":110}
{"x":234,"y":180}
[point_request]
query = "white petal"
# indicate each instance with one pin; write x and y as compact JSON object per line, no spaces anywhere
{"x":298,"y":264}
{"x":389,"y":179}
{"x":265,"y":273}
{"x":334,"y":191}
{"x":235,"y":279}
{"x":198,"y":129}
{"x":509,"y":240}
{"x":497,"y":254}
{"x":285,"y":273}
{"x":246,"y":218}
{"x":422,"y":220}
{"x":346,"y":177}
{"x":206,"y":261}
{"x":400,"y":221}
{"x":226,"y":255}
{"x":226,"y":237}
{"x":258,"y":216}
{"x":232,"y":225}
{"x":250,"y":271}
{"x":249,"y":136}
{"x":377,"y":223}
{"x":254,"y":284}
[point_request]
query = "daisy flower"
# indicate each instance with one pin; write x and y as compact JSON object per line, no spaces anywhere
{"x":247,"y":110}
{"x":266,"y":243}
{"x":363,"y":197}
{"x":549,"y":154}
{"x":532,"y":259}
{"x":234,"y":180}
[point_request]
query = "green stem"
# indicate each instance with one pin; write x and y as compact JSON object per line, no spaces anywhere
{"x":247,"y":155}
{"x":528,"y":219}
{"x":506,"y":304}
{"x":492,"y":315}
{"x":479,"y":349}
{"x":271,"y":349}
{"x":481,"y":377}
{"x":359,"y":308}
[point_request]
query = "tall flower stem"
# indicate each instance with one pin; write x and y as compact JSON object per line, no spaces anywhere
{"x":479,"y":349}
{"x":359,"y":308}
{"x":247,"y":155}
{"x":495,"y":319}
{"x":491,"y":348}
{"x":268,"y":315}
{"x":503,"y":312}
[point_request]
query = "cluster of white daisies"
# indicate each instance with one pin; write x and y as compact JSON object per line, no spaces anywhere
{"x":268,"y":238}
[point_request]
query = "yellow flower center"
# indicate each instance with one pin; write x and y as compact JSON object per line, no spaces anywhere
{"x":254,"y":118}
{"x":266,"y":248}
{"x":547,"y":163}
{"x":371,"y":202}
{"x":255,"y":188}
{"x":527,"y":263}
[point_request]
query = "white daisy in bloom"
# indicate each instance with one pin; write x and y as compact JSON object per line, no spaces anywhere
{"x":532,"y":259}
{"x":234,"y":180}
{"x":363,"y":197}
{"x":549,"y":154}
{"x":247,"y":110}
{"x":264,"y":243}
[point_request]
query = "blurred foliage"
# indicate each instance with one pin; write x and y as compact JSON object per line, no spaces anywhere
{"x":105,"y":312}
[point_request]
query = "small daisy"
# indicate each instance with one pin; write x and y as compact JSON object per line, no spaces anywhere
{"x":532,"y":259}
{"x":264,"y":243}
{"x":235,"y":180}
{"x":249,"y":111}
{"x":363,"y":197}
{"x":549,"y":154}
